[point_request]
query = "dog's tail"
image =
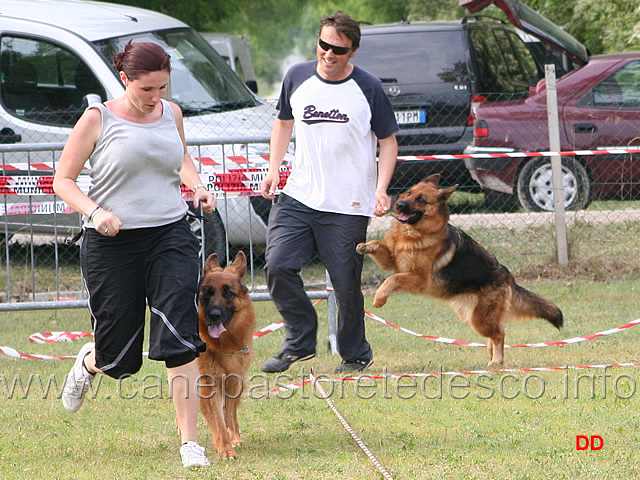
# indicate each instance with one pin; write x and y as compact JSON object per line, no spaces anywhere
{"x":526,"y":304}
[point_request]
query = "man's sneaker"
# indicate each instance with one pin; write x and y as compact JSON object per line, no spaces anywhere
{"x":283,"y":361}
{"x":356,"y":366}
{"x":193,"y":455}
{"x":78,"y":381}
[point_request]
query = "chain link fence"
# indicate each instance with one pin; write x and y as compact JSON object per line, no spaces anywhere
{"x":41,"y":264}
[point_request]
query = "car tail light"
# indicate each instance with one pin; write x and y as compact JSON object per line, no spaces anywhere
{"x":475,"y":101}
{"x":480,"y":129}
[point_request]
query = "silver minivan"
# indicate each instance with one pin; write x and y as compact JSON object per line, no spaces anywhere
{"x":55,"y":56}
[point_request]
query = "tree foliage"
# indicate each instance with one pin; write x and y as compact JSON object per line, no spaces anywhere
{"x":279,"y":28}
{"x":602,"y":26}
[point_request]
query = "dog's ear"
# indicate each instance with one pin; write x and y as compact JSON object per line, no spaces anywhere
{"x":239,"y":264}
{"x":212,"y":263}
{"x":433,"y":179}
{"x":445,"y":193}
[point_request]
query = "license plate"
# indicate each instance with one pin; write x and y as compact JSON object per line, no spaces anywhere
{"x":408,"y":117}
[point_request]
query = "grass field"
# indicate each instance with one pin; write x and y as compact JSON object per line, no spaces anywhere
{"x":497,"y":425}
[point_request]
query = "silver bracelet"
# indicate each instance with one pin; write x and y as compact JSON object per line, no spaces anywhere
{"x":95,"y":211}
{"x":200,"y":185}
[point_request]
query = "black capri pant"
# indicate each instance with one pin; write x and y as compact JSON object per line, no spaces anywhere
{"x":157,"y":266}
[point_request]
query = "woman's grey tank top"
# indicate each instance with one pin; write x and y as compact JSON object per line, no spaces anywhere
{"x":135,"y":170}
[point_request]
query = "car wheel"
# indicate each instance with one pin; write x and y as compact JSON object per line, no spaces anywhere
{"x":499,"y":201}
{"x":214,"y":233}
{"x":535,"y":189}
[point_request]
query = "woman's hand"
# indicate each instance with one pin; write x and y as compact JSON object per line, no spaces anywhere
{"x":107,"y":223}
{"x":207,"y":199}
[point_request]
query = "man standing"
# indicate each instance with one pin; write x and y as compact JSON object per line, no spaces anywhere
{"x":340,"y":113}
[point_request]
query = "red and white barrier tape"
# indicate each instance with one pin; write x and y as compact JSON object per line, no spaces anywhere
{"x":242,"y":181}
{"x":533,"y":345}
{"x":268,"y":329}
{"x":567,"y":153}
{"x":348,"y":428}
{"x":53,"y":337}
{"x":296,"y":386}
{"x":204,"y":164}
{"x":277,"y":325}
{"x":233,"y":183}
{"x":12,"y":352}
{"x":208,"y":165}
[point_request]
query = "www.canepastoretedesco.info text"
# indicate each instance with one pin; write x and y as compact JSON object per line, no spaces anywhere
{"x":565,"y":385}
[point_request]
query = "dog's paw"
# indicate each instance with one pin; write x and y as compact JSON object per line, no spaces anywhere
{"x":236,"y":442}
{"x":379,"y":299}
{"x":228,"y":453}
{"x":364,"y":248}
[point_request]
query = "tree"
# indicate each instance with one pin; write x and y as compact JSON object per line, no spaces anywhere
{"x":278,"y":28}
{"x":196,"y":13}
{"x":272,"y":26}
{"x":602,"y":26}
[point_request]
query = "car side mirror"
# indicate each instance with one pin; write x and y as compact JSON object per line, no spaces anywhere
{"x":90,"y":98}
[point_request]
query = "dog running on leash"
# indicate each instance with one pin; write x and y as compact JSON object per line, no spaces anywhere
{"x":226,"y":321}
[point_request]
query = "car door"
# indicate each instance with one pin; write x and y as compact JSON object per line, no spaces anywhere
{"x":45,"y":73}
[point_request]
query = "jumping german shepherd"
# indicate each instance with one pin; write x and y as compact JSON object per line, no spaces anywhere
{"x":226,"y":321}
{"x":432,"y":257}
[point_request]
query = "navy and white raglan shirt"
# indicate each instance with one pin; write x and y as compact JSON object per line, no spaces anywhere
{"x":337,"y":125}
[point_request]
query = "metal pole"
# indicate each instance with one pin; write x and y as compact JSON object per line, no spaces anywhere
{"x":556,"y":164}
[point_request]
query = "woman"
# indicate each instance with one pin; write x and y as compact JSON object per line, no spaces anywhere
{"x":137,"y":246}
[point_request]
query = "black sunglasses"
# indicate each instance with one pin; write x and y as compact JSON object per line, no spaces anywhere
{"x":336,"y":50}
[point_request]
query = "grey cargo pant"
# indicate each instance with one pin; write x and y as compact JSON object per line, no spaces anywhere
{"x":295,"y":233}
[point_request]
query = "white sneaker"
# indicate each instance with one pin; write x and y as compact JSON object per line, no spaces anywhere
{"x":193,"y":455}
{"x":78,"y":381}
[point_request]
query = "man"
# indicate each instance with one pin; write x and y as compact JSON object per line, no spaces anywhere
{"x":340,"y":112}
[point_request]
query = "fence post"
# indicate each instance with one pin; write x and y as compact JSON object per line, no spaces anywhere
{"x":331,"y":317}
{"x":556,"y":164}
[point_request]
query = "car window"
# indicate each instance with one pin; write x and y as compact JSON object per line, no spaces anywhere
{"x":627,"y":81}
{"x":201,"y":81}
{"x":416,"y":57}
{"x":505,"y":64}
{"x":239,"y":71}
{"x":620,"y":90}
{"x":43,"y":82}
{"x":527,"y":70}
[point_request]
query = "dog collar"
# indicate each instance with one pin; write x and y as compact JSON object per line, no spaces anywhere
{"x":245,"y":350}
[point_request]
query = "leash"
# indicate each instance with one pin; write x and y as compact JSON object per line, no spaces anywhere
{"x":348,"y":428}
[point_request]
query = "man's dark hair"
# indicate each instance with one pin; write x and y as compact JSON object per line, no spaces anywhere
{"x":344,"y":25}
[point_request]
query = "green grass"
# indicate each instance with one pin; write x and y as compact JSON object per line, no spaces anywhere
{"x":475,"y":430}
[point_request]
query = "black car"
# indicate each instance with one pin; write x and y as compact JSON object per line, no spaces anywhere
{"x":434,"y":71}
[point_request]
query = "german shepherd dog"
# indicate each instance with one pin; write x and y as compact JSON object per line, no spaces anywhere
{"x":430,"y":256}
{"x":226,"y":321}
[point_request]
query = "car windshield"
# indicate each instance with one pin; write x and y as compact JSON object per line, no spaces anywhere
{"x":201,"y":81}
{"x":434,"y":57}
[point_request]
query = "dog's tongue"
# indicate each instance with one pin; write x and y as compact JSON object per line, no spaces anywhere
{"x":216,"y":330}
{"x":402,"y":217}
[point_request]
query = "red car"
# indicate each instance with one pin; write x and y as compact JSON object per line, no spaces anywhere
{"x":598,"y":109}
